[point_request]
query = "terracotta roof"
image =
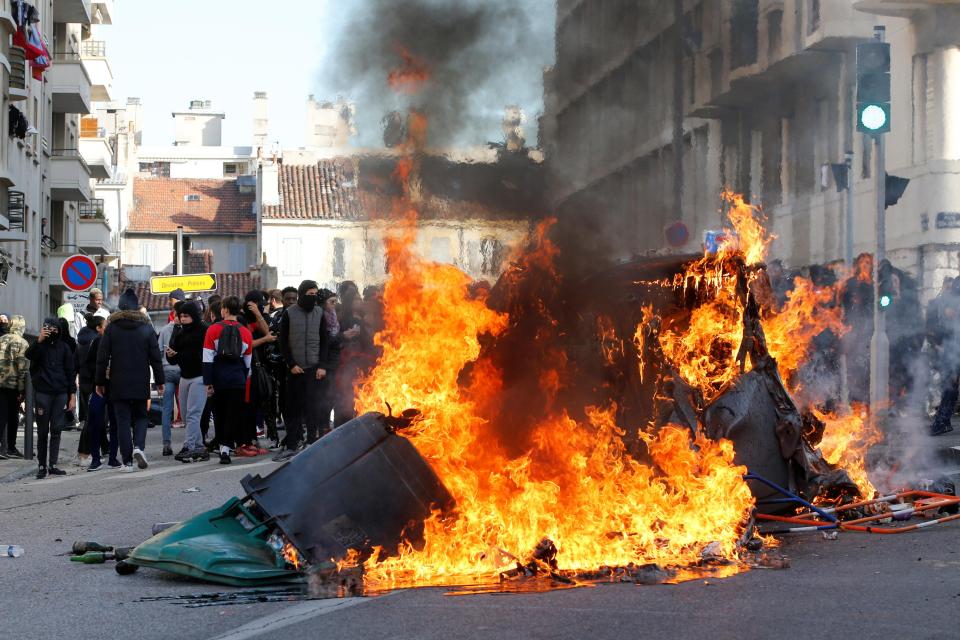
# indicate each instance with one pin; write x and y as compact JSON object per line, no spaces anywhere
{"x":200,"y":206}
{"x":326,"y":190}
{"x":228,"y":284}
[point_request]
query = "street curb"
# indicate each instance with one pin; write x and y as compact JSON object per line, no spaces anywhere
{"x":19,"y":474}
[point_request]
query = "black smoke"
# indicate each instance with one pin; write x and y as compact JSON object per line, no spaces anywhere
{"x":482,"y":56}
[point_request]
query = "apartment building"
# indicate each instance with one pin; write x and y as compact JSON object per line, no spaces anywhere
{"x":653,"y":107}
{"x":53,"y":70}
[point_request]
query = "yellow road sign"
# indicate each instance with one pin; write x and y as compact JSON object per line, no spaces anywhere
{"x":189,"y":283}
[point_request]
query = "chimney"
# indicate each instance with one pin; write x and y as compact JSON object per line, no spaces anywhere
{"x":260,"y":121}
{"x":512,"y":127}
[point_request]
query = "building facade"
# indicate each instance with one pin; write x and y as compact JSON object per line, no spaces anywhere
{"x":46,"y":165}
{"x":323,"y":221}
{"x":654,"y":107}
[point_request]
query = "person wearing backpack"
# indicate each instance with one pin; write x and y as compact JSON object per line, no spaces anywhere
{"x":227,"y":356}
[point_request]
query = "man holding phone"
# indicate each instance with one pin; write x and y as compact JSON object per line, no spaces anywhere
{"x":54,"y":374}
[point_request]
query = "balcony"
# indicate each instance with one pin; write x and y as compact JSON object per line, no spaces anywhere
{"x":72,"y":11}
{"x":93,"y":231}
{"x":14,"y":230}
{"x":18,"y":74}
{"x":94,"y":56}
{"x":98,"y":154}
{"x":103,"y":11}
{"x":833,"y":25}
{"x":69,"y":84}
{"x":69,"y":176}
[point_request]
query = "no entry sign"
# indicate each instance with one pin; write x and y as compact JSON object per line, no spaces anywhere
{"x":78,"y":273}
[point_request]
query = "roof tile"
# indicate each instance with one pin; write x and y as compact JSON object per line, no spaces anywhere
{"x":161,"y":204}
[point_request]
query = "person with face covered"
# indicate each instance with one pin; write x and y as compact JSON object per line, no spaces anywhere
{"x":13,"y":381}
{"x":54,"y":374}
{"x":305,"y":345}
{"x":254,"y":309}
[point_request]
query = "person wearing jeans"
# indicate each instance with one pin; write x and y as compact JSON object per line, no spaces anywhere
{"x":129,"y":350}
{"x":186,"y":351}
{"x":171,"y":378}
{"x":54,"y":374}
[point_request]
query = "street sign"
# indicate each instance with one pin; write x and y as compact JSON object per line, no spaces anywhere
{"x":189,"y":283}
{"x":78,"y":273}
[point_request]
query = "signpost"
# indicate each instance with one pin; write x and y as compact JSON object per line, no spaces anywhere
{"x":190,"y":283}
{"x":78,"y":273}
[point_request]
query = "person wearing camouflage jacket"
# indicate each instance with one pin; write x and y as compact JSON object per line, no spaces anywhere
{"x":13,"y":379}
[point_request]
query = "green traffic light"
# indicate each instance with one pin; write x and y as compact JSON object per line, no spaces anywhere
{"x":873,"y":117}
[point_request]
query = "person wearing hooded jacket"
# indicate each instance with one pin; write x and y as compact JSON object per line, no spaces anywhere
{"x":54,"y":374}
{"x":305,"y":345}
{"x":186,"y":351}
{"x":14,"y":367}
{"x":129,"y":349}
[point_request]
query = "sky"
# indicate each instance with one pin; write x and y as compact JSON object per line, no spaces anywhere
{"x":223,"y":50}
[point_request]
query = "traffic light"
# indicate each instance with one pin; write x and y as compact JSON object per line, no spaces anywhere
{"x":873,"y":87}
{"x":895,"y":188}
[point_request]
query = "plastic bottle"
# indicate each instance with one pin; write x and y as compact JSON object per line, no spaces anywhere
{"x":10,"y":551}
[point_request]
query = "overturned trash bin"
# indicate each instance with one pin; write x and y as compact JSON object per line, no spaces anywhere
{"x":359,"y":487}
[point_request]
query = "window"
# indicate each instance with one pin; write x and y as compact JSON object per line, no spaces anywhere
{"x":290,"y":252}
{"x":238,"y":257}
{"x":441,"y":250}
{"x":774,"y":34}
{"x":375,"y":257}
{"x":149,"y":254}
{"x":156,"y":169}
{"x":230,"y":169}
{"x":716,"y":73}
{"x":743,"y":33}
{"x":814,"y":22}
{"x":192,"y":197}
{"x":491,"y":253}
{"x":339,"y":263}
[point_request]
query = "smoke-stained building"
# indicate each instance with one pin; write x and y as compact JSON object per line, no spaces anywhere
{"x":655,"y":106}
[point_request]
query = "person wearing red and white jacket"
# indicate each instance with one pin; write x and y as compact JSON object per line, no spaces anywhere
{"x":225,"y":374}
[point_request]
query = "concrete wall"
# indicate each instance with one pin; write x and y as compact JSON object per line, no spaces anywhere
{"x":157,"y":251}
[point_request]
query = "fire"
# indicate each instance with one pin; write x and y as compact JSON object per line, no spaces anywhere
{"x":410,"y":76}
{"x":292,"y":556}
{"x":846,"y":439}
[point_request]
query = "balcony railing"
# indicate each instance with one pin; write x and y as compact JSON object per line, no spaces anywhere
{"x":92,"y":210}
{"x":93,"y":49}
{"x":15,"y":208}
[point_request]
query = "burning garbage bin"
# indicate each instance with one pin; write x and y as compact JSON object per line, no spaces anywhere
{"x":359,"y":487}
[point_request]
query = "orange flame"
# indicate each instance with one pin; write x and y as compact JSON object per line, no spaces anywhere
{"x":410,"y":76}
{"x":292,"y":556}
{"x":846,"y":439}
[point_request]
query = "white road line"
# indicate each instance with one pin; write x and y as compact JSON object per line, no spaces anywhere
{"x":291,"y":615}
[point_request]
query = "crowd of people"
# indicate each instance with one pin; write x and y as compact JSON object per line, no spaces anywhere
{"x":273,"y":371}
{"x":924,"y":356}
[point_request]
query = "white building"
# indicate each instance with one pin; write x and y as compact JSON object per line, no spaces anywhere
{"x":762,"y":91}
{"x":327,"y":219}
{"x":46,"y":165}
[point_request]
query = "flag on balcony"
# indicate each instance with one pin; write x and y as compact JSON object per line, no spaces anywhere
{"x":42,"y":62}
{"x":28,"y":38}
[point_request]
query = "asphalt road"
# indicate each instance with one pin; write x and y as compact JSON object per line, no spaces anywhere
{"x":860,"y":585}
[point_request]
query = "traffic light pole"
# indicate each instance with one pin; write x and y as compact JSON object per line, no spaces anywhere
{"x":880,"y":344}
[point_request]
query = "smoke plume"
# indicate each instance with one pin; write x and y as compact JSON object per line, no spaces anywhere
{"x":481,"y":55}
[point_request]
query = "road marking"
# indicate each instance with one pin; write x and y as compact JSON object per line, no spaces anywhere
{"x":290,"y":616}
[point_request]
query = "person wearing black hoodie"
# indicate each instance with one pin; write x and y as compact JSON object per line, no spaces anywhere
{"x":85,"y":340}
{"x":54,"y":374}
{"x":186,"y":351}
{"x":129,"y":349}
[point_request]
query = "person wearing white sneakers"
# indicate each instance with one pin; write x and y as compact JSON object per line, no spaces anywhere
{"x":129,"y":350}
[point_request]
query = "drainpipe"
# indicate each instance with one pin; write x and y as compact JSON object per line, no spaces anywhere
{"x":179,"y":249}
